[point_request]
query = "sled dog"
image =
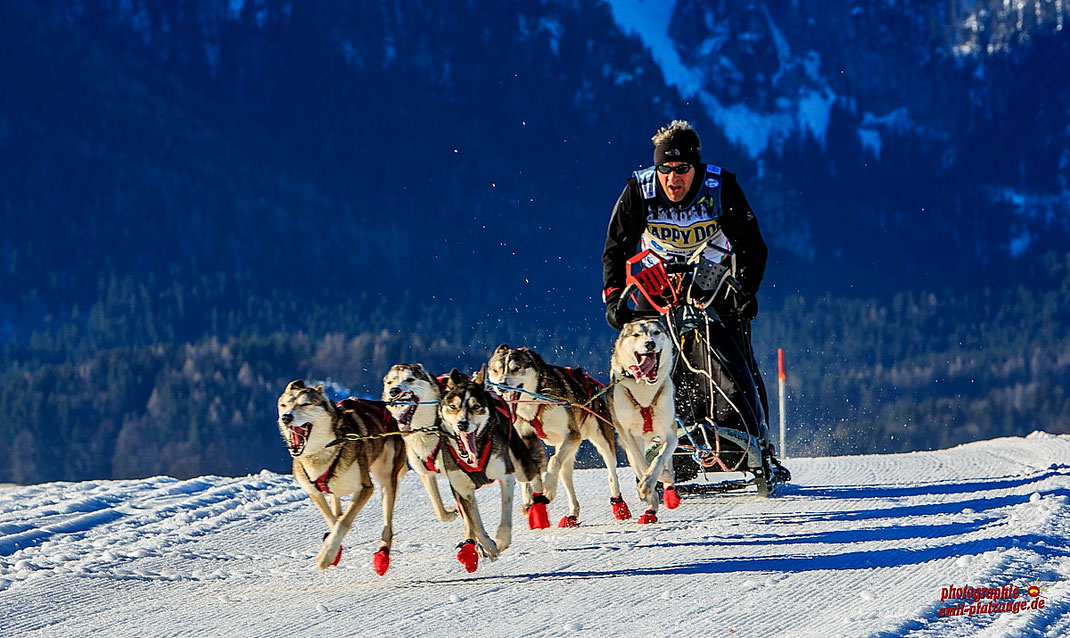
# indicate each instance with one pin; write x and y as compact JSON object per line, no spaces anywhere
{"x":325,"y":463}
{"x":412,"y":395}
{"x":482,"y":447}
{"x":562,"y":426}
{"x":642,"y":405}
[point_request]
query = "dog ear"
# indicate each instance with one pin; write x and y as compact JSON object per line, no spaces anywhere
{"x":479,"y":377}
{"x":296,"y":384}
{"x":502,"y":348}
{"x":456,"y":378}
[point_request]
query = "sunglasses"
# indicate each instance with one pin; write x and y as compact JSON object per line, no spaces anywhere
{"x":682,"y":169}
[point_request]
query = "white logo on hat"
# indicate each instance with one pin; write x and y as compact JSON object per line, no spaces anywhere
{"x":672,"y":151}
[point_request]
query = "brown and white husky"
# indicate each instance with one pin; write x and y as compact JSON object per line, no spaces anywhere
{"x":641,"y":402}
{"x":338,"y":450}
{"x":584,"y":415}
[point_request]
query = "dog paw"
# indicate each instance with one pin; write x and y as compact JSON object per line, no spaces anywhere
{"x":671,"y":498}
{"x":381,"y":560}
{"x":448,"y":515}
{"x":502,"y":545}
{"x":324,"y":558}
{"x":467,"y":554}
{"x":648,"y":517}
{"x":620,"y":508}
{"x":491,"y":551}
{"x":569,"y":521}
{"x":647,"y":486}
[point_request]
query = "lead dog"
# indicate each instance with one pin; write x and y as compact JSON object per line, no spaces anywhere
{"x":325,"y":462}
{"x":482,"y":447}
{"x":562,"y":426}
{"x":641,"y":402}
{"x":411,"y":394}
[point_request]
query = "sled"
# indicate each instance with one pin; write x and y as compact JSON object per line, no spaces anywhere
{"x":710,"y":456}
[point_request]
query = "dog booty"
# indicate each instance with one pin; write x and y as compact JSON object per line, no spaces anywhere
{"x":672,"y":500}
{"x":468,"y":555}
{"x":649,"y":517}
{"x":620,"y":508}
{"x":569,"y":521}
{"x":381,"y":560}
{"x":537,"y":516}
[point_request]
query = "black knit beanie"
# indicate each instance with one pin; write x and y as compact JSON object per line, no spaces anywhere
{"x":681,"y":147}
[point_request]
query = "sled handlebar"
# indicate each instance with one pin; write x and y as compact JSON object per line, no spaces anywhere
{"x":655,"y":284}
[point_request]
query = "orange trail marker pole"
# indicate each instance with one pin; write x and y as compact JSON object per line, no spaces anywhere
{"x":780,"y":382}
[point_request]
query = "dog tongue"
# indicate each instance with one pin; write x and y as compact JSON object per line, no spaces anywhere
{"x":468,"y":442}
{"x":298,"y":434}
{"x":510,"y":400}
{"x":644,"y":367}
{"x":405,"y":418}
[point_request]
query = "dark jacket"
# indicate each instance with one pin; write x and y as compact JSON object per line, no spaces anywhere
{"x":737,"y":222}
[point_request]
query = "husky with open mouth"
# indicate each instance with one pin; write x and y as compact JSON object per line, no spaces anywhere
{"x":585,"y":416}
{"x":643,"y":409}
{"x":412,"y":396}
{"x":338,"y":450}
{"x":482,"y":447}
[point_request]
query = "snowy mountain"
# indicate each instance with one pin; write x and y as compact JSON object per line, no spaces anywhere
{"x":944,"y":543}
{"x":879,"y":142}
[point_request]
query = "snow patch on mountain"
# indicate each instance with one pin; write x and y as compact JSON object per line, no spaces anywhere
{"x":649,"y":20}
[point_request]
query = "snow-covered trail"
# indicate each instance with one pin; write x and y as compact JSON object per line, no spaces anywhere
{"x":856,"y":546}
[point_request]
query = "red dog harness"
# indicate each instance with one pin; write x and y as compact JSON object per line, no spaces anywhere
{"x":429,"y":462}
{"x":646,"y":411}
{"x":367,"y":409}
{"x":484,"y":455}
{"x":536,"y":422}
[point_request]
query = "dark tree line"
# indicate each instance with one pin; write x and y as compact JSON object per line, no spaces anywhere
{"x":918,"y":370}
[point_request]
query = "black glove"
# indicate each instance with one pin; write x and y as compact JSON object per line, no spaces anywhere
{"x":617,"y":314}
{"x":746,"y":305}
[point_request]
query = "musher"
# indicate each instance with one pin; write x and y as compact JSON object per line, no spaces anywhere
{"x":671,"y":208}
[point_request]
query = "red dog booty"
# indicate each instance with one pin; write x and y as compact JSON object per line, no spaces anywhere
{"x":569,"y":521}
{"x":648,"y":517}
{"x":381,"y":560}
{"x":620,"y":508}
{"x":671,"y":498}
{"x":468,"y":555}
{"x":537,"y":516}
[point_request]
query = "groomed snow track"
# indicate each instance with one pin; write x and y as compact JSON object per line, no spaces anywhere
{"x":855,"y":546}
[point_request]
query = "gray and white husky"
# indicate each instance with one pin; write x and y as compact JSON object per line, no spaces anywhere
{"x":482,"y":447}
{"x":326,"y":463}
{"x":412,"y":396}
{"x":641,"y":402}
{"x":562,"y":426}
